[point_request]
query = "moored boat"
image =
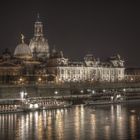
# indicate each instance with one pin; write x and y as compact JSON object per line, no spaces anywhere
{"x":55,"y":104}
{"x":28,"y":105}
{"x":117,"y":98}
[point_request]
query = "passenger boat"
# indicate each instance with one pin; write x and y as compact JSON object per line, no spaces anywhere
{"x":31,"y":104}
{"x":10,"y":110}
{"x":99,"y":102}
{"x":55,"y":104}
{"x":49,"y":104}
{"x":28,"y":105}
{"x":113,"y":100}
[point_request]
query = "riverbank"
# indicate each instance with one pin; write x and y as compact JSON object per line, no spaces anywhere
{"x":50,"y":89}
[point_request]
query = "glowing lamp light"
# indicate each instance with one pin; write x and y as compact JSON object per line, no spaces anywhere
{"x":39,"y":79}
{"x":112,"y":98}
{"x":104,"y":90}
{"x":93,"y":92}
{"x":25,"y":93}
{"x":82,"y":91}
{"x":118,"y":96}
{"x":124,"y":90}
{"x":31,"y":106}
{"x":21,"y":94}
{"x":131,"y":79}
{"x":56,"y":92}
{"x":36,"y":106}
{"x":88,"y":90}
{"x":20,"y":79}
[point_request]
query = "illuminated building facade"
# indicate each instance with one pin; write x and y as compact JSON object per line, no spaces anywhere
{"x":90,"y":69}
{"x":39,"y":44}
{"x":35,"y":63}
{"x":132,"y":74}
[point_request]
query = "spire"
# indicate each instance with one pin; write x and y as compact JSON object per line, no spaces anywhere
{"x":38,"y":17}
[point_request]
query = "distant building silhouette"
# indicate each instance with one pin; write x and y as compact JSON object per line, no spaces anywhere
{"x":35,"y":63}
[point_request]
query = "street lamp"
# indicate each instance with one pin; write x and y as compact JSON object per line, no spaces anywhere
{"x":88,"y":90}
{"x":112,"y":98}
{"x":22,"y":95}
{"x":131,"y":79}
{"x":104,"y":90}
{"x":56,"y":92}
{"x":39,"y":80}
{"x":93,"y":91}
{"x":82,"y":91}
{"x":124,"y":90}
{"x":21,"y":80}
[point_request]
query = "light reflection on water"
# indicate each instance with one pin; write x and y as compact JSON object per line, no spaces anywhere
{"x":77,"y":123}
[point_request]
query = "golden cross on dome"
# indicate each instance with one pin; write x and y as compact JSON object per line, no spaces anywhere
{"x":22,"y":38}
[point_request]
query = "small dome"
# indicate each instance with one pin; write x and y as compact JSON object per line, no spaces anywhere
{"x":23,"y":51}
{"x":89,"y":57}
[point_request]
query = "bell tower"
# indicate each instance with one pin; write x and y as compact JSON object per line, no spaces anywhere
{"x":38,"y":27}
{"x":39,"y":44}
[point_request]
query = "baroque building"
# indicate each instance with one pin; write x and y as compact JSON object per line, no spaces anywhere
{"x":39,"y":44}
{"x":132,"y":74}
{"x":36,"y":64}
{"x":90,"y":69}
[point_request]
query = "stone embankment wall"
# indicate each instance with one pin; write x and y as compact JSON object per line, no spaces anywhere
{"x":12,"y":91}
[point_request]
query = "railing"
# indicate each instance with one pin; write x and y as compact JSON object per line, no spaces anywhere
{"x":61,"y":97}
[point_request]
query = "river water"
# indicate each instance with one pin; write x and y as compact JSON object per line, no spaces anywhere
{"x":106,"y":122}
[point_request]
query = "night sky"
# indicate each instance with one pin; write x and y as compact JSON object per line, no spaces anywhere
{"x":77,"y":28}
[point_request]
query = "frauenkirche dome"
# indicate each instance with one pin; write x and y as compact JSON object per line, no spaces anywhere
{"x":22,"y":50}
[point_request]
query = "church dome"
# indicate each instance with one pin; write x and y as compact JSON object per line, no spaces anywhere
{"x":39,"y":45}
{"x":23,"y":51}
